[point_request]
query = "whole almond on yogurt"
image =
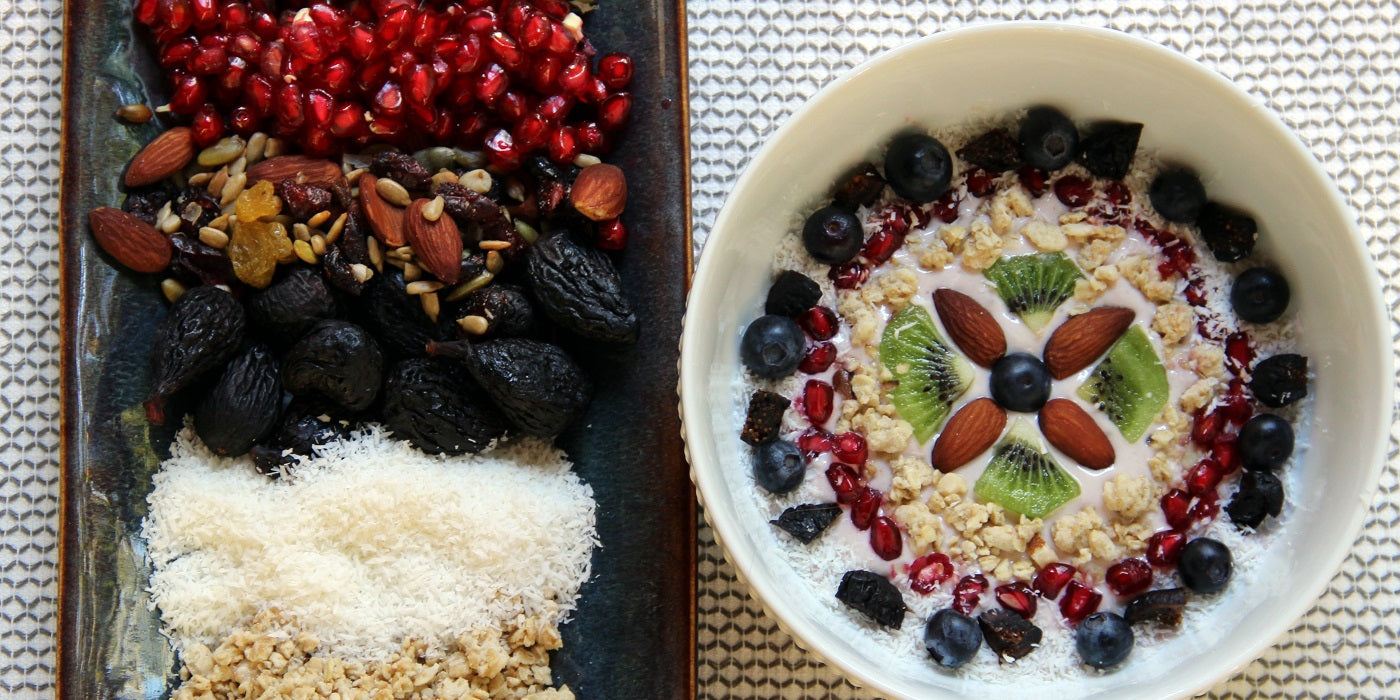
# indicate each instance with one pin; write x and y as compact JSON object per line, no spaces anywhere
{"x":134,"y":243}
{"x":166,"y":155}
{"x":600,"y":192}
{"x":1073,"y":431}
{"x":385,"y":219}
{"x":971,"y":326}
{"x":973,"y":429}
{"x":437,"y":244}
{"x":1082,"y":339}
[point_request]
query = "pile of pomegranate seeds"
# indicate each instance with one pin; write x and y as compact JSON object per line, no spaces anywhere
{"x":514,"y":77}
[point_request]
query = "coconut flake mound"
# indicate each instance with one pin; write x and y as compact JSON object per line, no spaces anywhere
{"x":367,"y":544}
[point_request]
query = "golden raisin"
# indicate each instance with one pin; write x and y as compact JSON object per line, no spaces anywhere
{"x":257,"y":203}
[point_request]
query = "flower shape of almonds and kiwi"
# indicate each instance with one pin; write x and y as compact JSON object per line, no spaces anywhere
{"x":1033,"y":368}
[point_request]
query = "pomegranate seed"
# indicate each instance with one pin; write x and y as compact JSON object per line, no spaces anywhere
{"x":968,"y":593}
{"x":335,"y":76}
{"x":264,"y":25}
{"x":535,"y":35}
{"x":348,"y":120}
{"x":981,"y":183}
{"x":208,"y":60}
{"x":328,"y":17}
{"x":881,"y":246}
{"x":845,"y":482}
{"x":145,"y":12}
{"x":288,"y":108}
{"x":563,"y":145}
{"x":305,"y":41}
{"x":612,"y":235}
{"x":595,"y":92}
{"x":1117,"y":193}
{"x":231,"y":80}
{"x":271,"y":61}
{"x":491,"y":83}
{"x":866,"y":507}
{"x":189,"y":95}
{"x":174,"y":15}
{"x":1033,"y":179}
{"x":245,"y":46}
{"x":516,"y":15}
{"x":243,"y":121}
{"x":1164,"y":546}
{"x":555,"y":107}
{"x":892,"y":219}
{"x":1129,"y":577}
{"x":1204,"y":477}
{"x":946,"y":207}
{"x":393,"y":27}
{"x":850,"y":448}
{"x":235,"y":16}
{"x":360,"y":41}
{"x":1074,"y":191}
{"x":1206,"y":508}
{"x":849,"y":275}
{"x":1205,"y":427}
{"x":420,"y":85}
{"x":1050,"y":580}
{"x":928,"y":572}
{"x":482,"y":22}
{"x":1016,"y":597}
{"x":1176,"y":507}
{"x":507,"y":52}
{"x":591,"y":138}
{"x":615,"y":69}
{"x":318,"y":143}
{"x":814,"y":441}
{"x":558,"y":9}
{"x":388,"y":102}
{"x":177,"y":54}
{"x":207,"y":126}
{"x":1234,"y":406}
{"x":818,"y":359}
{"x":257,"y":91}
{"x":425,"y":30}
{"x":318,"y":109}
{"x":1239,"y":353}
{"x":817,"y":401}
{"x":544,"y":72}
{"x":561,"y":41}
{"x":819,"y":322}
{"x":1226,"y":453}
{"x":500,"y":148}
{"x":1080,"y":601}
{"x":614,"y":111}
{"x":886,"y":539}
{"x":576,"y":76}
{"x":530,"y":132}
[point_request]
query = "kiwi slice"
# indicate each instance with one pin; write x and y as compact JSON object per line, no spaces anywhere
{"x":929,"y":376}
{"x":1033,"y":286}
{"x":1022,"y":476}
{"x":1130,"y":384}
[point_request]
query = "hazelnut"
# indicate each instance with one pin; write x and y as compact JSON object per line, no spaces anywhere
{"x":600,"y":192}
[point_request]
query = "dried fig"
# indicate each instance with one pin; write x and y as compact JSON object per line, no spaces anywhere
{"x":292,"y":304}
{"x":204,"y":328}
{"x":536,"y":385}
{"x":337,"y":361}
{"x":435,"y":405}
{"x":580,"y":289}
{"x":242,"y":407}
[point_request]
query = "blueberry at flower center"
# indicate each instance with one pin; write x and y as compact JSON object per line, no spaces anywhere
{"x":1020,"y":382}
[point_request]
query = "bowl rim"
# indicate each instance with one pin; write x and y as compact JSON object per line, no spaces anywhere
{"x":693,"y":372}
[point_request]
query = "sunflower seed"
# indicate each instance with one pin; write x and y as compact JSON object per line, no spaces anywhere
{"x":392,"y":192}
{"x":212,"y":237}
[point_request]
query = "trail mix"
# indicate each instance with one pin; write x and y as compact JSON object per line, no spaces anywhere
{"x":1014,"y":373}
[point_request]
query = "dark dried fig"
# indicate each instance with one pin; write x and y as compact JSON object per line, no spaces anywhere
{"x":305,"y":424}
{"x":402,"y":168}
{"x":291,"y":305}
{"x":580,"y":289}
{"x":435,"y":405}
{"x":337,"y":361}
{"x":872,"y":595}
{"x":242,"y":406}
{"x":536,"y":385}
{"x":204,"y":328}
{"x":394,"y":316}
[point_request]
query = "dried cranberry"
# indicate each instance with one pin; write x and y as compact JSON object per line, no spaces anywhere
{"x":1129,"y":577}
{"x":1164,"y":547}
{"x":1074,"y":191}
{"x":866,"y":507}
{"x":1051,"y":579}
{"x":849,"y":448}
{"x":1033,"y":179}
{"x":820,"y":322}
{"x":819,"y":358}
{"x":968,"y":593}
{"x":845,"y":482}
{"x":928,"y":572}
{"x":817,"y":401}
{"x":1017,"y":597}
{"x":1080,"y":601}
{"x":886,"y":539}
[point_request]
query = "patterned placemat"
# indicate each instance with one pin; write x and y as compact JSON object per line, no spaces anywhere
{"x":1330,"y":69}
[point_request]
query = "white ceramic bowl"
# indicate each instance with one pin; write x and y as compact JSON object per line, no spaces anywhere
{"x":1245,"y":155}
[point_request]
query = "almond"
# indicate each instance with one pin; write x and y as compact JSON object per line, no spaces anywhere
{"x":437,"y":244}
{"x":1081,"y":339}
{"x":600,"y":192}
{"x":969,"y":433}
{"x":385,"y":219}
{"x":311,"y":171}
{"x":972,"y":327}
{"x":1074,"y":432}
{"x":134,"y":243}
{"x":161,"y":158}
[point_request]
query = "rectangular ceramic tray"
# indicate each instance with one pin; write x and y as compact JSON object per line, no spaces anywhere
{"x":633,"y":634}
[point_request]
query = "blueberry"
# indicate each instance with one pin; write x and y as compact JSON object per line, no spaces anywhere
{"x":1177,"y":195}
{"x":1104,"y":639}
{"x":779,"y":466}
{"x":1266,"y":442}
{"x":772,"y":346}
{"x":1020,"y":382}
{"x":1260,"y":494}
{"x":1205,"y":565}
{"x":832,"y":235}
{"x":952,"y":638}
{"x":918,"y":167}
{"x":1260,"y":295}
{"x":1048,"y":138}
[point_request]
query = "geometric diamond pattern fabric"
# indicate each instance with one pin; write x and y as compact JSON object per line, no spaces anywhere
{"x":1331,"y":69}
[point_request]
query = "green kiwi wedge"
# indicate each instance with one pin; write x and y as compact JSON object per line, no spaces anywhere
{"x":1130,"y":384}
{"x":1034,"y":286}
{"x":1022,"y":476}
{"x":928,"y":374}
